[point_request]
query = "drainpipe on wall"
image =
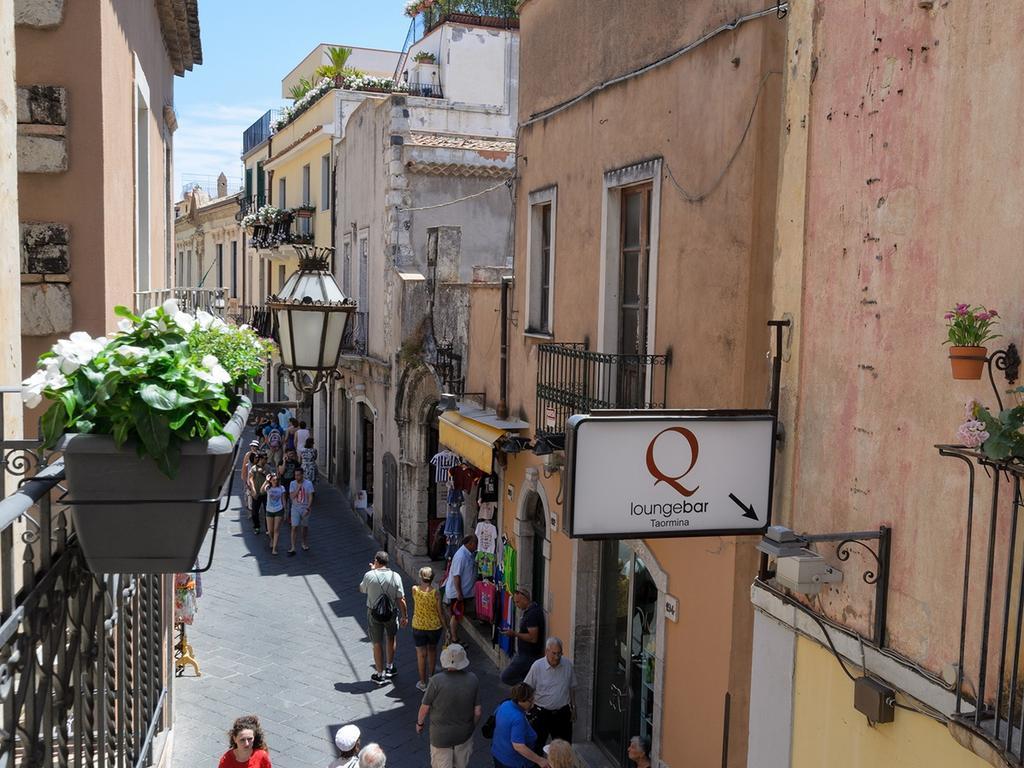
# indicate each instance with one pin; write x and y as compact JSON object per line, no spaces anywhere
{"x":506,"y":283}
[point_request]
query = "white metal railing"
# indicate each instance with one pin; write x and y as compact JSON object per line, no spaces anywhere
{"x":212,"y":300}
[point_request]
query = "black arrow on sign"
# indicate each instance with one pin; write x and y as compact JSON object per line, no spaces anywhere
{"x":748,"y":512}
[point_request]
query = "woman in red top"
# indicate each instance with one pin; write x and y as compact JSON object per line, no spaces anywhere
{"x":249,"y":749}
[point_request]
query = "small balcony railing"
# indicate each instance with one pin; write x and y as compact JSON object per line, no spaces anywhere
{"x":212,"y":300}
{"x":255,"y":316}
{"x":252,"y":203}
{"x":572,"y":379}
{"x":85,"y":664}
{"x":288,"y":229}
{"x":426,"y":90}
{"x":990,"y":668}
{"x":355,"y":339}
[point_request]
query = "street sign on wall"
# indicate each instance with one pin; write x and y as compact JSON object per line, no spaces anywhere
{"x":691,"y":473}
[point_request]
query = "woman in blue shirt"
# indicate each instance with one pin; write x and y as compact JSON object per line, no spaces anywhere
{"x":513,"y":734}
{"x":275,"y":509}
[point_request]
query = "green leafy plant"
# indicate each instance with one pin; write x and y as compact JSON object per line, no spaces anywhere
{"x":968,"y":326}
{"x":300,"y":90}
{"x":998,"y":435}
{"x":338,"y":65}
{"x":164,"y":379}
{"x":425,"y":57}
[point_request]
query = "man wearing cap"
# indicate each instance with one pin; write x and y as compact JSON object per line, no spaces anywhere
{"x":452,"y":700}
{"x":529,"y":645}
{"x":347,"y":742}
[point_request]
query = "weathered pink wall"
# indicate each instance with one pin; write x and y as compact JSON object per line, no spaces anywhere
{"x":914,"y":202}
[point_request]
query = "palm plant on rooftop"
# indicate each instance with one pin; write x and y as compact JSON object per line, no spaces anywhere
{"x":338,"y":67}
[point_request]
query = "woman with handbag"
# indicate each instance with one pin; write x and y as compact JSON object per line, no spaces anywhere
{"x":513,"y":734}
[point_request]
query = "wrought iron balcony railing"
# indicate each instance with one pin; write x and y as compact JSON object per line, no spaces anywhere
{"x":256,"y":316}
{"x":288,"y":229}
{"x":212,"y":300}
{"x":85,"y":678}
{"x":571,"y":379}
{"x":427,"y":90}
{"x":355,"y":339}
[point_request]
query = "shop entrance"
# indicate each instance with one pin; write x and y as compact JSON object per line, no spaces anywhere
{"x":625,"y":665}
{"x":366,"y":473}
{"x":540,"y":532}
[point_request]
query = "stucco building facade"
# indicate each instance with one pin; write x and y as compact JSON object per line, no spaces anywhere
{"x":645,"y":207}
{"x":95,"y":123}
{"x":898,"y":199}
{"x":424,"y":219}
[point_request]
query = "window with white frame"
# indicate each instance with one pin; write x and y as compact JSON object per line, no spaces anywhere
{"x":540,"y":263}
{"x":282,"y":197}
{"x":629,"y":273}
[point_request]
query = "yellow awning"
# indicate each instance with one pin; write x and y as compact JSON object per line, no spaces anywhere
{"x":471,"y":439}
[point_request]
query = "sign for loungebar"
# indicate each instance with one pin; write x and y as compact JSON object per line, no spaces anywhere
{"x":690,"y":473}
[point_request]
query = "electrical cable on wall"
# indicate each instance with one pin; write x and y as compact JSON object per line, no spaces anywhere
{"x":691,"y":198}
{"x":506,"y":183}
{"x":726,"y":27}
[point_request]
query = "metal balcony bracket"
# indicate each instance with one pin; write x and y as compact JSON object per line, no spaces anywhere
{"x":1007,"y":361}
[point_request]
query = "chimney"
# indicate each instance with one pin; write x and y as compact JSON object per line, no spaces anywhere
{"x":222,"y":185}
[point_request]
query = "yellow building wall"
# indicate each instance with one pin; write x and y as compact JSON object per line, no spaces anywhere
{"x":827,"y":730}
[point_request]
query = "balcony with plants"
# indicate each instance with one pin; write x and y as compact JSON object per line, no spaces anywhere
{"x":334,"y":76}
{"x":500,"y":14}
{"x":270,"y":227}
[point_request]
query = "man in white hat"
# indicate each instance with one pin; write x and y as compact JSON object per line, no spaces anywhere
{"x":452,"y":700}
{"x":347,"y":742}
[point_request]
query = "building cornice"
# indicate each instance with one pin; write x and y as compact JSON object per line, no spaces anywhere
{"x":179,"y":24}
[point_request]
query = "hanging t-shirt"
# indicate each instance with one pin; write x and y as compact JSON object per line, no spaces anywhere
{"x":487,"y":537}
{"x":489,"y":488}
{"x":442,"y":462}
{"x":509,"y":566}
{"x":464,"y":477}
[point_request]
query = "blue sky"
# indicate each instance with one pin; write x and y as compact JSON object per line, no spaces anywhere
{"x":248,"y":46}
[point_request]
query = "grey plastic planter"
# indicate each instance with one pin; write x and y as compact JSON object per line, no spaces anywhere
{"x":161,"y":537}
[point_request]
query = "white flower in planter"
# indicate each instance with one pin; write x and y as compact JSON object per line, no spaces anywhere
{"x":130,"y":352}
{"x":212,"y":371}
{"x":32,"y":387}
{"x":185,"y":321}
{"x":76,"y":351}
{"x":171,"y":307}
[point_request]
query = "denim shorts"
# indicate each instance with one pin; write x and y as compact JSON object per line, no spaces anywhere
{"x":425,"y":638}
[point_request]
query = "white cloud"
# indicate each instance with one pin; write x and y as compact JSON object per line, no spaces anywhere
{"x":209,"y":140}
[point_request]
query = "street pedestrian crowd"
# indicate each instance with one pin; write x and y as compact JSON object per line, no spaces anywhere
{"x":280,"y":473}
{"x":532,"y":726}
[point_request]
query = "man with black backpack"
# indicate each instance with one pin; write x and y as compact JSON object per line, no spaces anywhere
{"x":385,"y":605}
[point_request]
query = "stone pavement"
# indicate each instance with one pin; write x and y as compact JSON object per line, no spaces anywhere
{"x":284,"y":638}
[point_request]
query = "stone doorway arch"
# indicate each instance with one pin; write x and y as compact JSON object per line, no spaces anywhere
{"x":416,"y":417}
{"x":533,"y":534}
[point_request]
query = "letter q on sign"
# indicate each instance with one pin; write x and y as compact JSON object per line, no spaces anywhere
{"x":660,"y":473}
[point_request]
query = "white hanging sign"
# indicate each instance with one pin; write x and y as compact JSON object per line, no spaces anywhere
{"x":692,"y":473}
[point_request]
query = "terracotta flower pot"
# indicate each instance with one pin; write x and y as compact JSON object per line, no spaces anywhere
{"x":163,"y":531}
{"x":968,"y":363}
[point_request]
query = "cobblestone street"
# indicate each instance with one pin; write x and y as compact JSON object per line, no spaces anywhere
{"x":284,"y":638}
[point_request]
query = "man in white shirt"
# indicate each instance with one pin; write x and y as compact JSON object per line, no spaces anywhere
{"x":554,"y":694}
{"x":301,"y":436}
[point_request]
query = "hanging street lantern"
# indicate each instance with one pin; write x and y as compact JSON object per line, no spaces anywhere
{"x":310,"y":315}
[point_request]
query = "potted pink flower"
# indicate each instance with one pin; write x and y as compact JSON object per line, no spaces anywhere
{"x":968,"y":329}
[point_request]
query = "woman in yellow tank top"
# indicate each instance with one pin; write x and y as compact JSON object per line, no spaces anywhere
{"x":426,"y":624}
